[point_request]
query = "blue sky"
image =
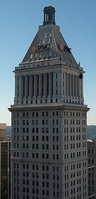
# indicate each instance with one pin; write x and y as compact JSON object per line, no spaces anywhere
{"x":19,"y":21}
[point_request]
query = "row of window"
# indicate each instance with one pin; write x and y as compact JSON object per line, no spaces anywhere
{"x":75,"y":154}
{"x":73,"y":175}
{"x":46,"y":113}
{"x":53,"y":130}
{"x":34,"y":114}
{"x":75,"y":166}
{"x":79,"y":196}
{"x":36,"y":138}
{"x":35,"y":167}
{"x":46,"y":177}
{"x":47,"y":138}
{"x":47,"y":192}
{"x":35,"y":130}
{"x":55,"y":156}
{"x":54,"y":122}
{"x":90,"y":151}
{"x":46,"y":146}
{"x":74,"y":122}
{"x":46,"y":168}
{"x":36,"y":155}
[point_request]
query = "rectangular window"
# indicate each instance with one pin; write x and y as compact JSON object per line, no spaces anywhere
{"x":53,"y":130}
{"x":47,"y":156}
{"x":32,"y":122}
{"x":36,"y":114}
{"x":36,"y":130}
{"x":47,"y":130}
{"x":42,"y":113}
{"x":47,"y":122}
{"x":43,"y":122}
{"x":46,"y":113}
{"x":43,"y":138}
{"x":36,"y":122}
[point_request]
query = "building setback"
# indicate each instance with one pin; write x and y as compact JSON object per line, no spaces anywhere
{"x":49,"y":148}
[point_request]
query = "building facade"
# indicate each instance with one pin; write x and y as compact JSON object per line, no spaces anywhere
{"x":91,"y":169}
{"x":2,"y":131}
{"x":49,"y":149}
{"x":5,"y":146}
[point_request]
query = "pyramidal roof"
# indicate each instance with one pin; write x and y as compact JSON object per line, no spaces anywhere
{"x":49,"y":42}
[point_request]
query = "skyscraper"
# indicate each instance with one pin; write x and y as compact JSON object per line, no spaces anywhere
{"x":49,"y":149}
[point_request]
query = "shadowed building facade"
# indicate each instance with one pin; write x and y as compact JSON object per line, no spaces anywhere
{"x":49,"y":150}
{"x":5,"y":146}
{"x":91,"y":169}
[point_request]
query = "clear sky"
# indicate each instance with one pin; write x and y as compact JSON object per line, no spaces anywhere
{"x":19,"y":21}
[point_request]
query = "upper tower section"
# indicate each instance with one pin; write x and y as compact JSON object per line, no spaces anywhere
{"x":49,"y":72}
{"x":49,"y":15}
{"x":49,"y":43}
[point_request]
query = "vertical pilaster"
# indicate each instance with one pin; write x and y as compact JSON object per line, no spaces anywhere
{"x":70,"y":85}
{"x":77,"y":86}
{"x":16,"y":87}
{"x":73,"y":84}
{"x":20,"y":87}
{"x":23,"y":85}
{"x":30,"y":86}
{"x":15,"y":98}
{"x":26,"y":86}
{"x":40,"y":85}
{"x":81,"y":89}
{"x":50,"y":84}
{"x":35,"y":85}
{"x":45,"y":84}
{"x":64,"y":84}
{"x":61,"y":84}
{"x":54,"y":84}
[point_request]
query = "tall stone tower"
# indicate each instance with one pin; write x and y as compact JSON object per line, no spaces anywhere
{"x":49,"y":150}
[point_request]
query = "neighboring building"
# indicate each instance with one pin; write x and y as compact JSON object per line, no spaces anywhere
{"x":8,"y":132}
{"x":91,"y":169}
{"x":5,"y":146}
{"x":2,"y":131}
{"x":49,"y":147}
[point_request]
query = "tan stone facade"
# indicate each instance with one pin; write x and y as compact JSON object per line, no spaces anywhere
{"x":2,"y":131}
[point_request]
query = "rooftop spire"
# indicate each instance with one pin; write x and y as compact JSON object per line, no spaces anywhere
{"x":49,"y":15}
